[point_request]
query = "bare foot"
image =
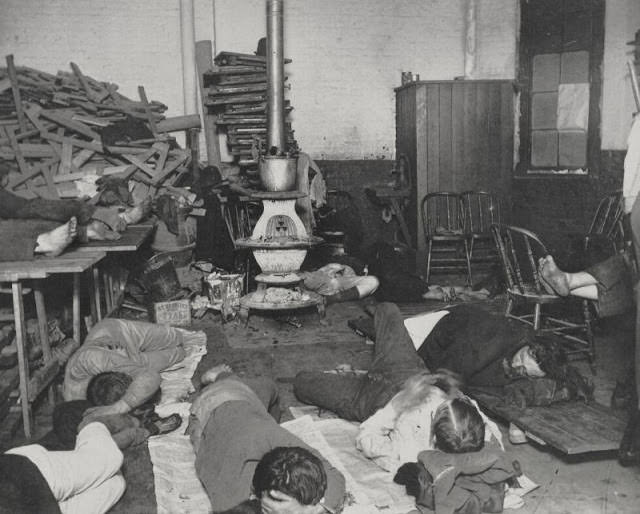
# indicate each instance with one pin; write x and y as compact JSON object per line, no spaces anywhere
{"x":212,"y":374}
{"x":54,"y":242}
{"x":544,"y":283}
{"x":554,"y":277}
{"x":138,"y":213}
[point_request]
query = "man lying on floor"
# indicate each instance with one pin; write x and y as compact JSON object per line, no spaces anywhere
{"x":134,"y":348}
{"x":84,"y":480}
{"x":409,"y":414}
{"x":233,"y":427}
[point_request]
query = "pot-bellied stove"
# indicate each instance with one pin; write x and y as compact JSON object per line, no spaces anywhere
{"x":279,"y":243}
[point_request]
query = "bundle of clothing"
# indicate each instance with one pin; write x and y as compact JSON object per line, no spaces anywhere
{"x":465,"y":483}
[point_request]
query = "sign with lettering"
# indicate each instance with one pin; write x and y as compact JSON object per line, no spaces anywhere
{"x":177,"y":312}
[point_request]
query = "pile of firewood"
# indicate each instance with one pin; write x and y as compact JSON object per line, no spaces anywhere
{"x":237,"y":96}
{"x":57,"y":130}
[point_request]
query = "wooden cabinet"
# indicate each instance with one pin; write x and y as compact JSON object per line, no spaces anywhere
{"x":457,"y":135}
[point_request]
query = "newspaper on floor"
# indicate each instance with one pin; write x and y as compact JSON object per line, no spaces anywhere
{"x":373,"y":486}
{"x":178,"y":489}
{"x":373,"y":490}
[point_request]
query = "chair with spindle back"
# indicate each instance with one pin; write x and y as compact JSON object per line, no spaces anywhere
{"x":519,"y":251}
{"x":447,"y":245}
{"x":481,"y":210}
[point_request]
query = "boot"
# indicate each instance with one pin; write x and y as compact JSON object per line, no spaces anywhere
{"x":629,"y":451}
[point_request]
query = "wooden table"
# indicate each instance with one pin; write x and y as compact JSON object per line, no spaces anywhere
{"x":113,"y":277}
{"x":73,"y":262}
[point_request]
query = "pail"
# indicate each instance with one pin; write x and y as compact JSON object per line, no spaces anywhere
{"x":160,"y":278}
{"x":224,"y":292}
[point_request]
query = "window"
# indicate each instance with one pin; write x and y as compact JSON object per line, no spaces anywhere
{"x":560,"y":78}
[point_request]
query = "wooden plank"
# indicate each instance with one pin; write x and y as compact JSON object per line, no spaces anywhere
{"x":478,"y":179}
{"x":143,"y":166}
{"x":494,"y":174}
{"x":435,"y":180}
{"x":82,"y":157}
{"x":468,"y":145}
{"x":147,"y":110}
{"x":457,"y":127}
{"x":65,"y":160}
{"x":5,"y":84}
{"x":132,"y":239}
{"x":68,"y":122}
{"x":170,"y":168}
{"x":445,"y":129}
{"x":419,"y":143}
{"x":15,"y":89}
{"x":571,"y":427}
{"x":22,"y":163}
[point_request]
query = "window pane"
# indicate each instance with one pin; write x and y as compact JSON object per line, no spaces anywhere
{"x":544,"y":148}
{"x":572,"y":151}
{"x":544,"y":110}
{"x":546,"y":72}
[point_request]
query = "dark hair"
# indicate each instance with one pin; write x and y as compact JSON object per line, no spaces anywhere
{"x":293,"y":471}
{"x":458,"y":427}
{"x":107,"y":387}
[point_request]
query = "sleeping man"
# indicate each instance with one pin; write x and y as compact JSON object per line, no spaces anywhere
{"x":136,"y":349}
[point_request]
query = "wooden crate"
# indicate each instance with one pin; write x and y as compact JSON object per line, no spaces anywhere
{"x":176,"y":312}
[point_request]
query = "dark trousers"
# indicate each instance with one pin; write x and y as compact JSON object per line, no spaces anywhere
{"x":356,"y":397}
{"x":615,"y":284}
{"x":18,"y":238}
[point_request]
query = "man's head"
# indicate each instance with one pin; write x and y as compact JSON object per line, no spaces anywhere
{"x":293,"y":471}
{"x":458,"y":427}
{"x":108,"y":387}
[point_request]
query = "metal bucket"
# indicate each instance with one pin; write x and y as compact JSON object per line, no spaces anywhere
{"x":278,"y":173}
{"x":160,"y":278}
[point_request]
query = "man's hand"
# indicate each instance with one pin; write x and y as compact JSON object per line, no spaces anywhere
{"x":120,"y":407}
{"x":276,"y":502}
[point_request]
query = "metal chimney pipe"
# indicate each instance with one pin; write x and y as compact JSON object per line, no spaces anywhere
{"x":276,"y":136}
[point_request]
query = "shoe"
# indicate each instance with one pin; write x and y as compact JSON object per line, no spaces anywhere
{"x":629,"y":451}
{"x":516,"y":436}
{"x":164,"y":425}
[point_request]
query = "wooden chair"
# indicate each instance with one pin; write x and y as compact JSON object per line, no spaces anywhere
{"x":447,"y":245}
{"x":607,"y":223}
{"x":519,"y":251}
{"x":481,"y":210}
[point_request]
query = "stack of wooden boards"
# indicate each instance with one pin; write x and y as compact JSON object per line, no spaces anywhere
{"x":237,"y":96}
{"x":52,"y":133}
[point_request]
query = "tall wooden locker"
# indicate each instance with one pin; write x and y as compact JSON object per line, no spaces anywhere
{"x":458,"y":135}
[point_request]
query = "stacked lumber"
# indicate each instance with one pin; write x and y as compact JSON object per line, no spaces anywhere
{"x":237,"y":96}
{"x":51,"y":133}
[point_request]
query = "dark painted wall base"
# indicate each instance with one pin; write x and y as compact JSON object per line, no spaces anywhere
{"x":555,"y":207}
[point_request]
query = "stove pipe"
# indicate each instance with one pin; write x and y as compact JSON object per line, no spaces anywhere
{"x":276,"y":136}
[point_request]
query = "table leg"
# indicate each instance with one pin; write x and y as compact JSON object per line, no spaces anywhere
{"x":43,"y":327}
{"x":23,"y":364}
{"x":41,"y":313}
{"x":76,"y":307}
{"x":107,"y":292}
{"x":96,"y":292}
